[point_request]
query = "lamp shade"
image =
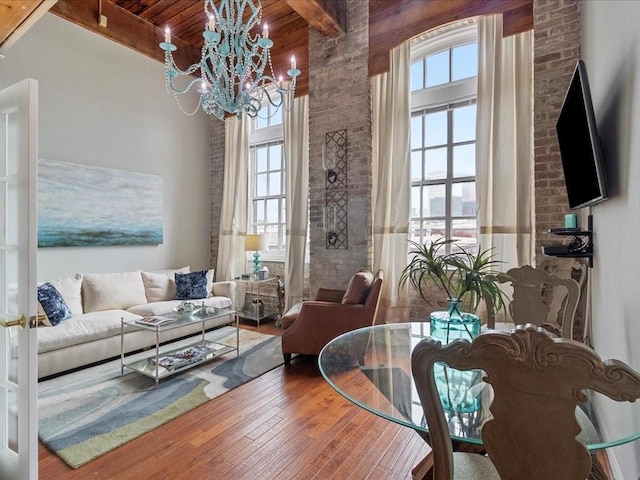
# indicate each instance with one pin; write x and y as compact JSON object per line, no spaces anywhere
{"x":255,"y":242}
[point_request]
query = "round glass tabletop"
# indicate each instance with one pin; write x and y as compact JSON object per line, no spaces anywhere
{"x":371,"y":367}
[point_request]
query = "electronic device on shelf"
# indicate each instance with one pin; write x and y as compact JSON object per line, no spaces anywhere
{"x":581,"y":245}
{"x":580,"y":150}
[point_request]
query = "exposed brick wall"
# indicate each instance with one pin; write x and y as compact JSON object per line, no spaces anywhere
{"x":216,"y":185}
{"x":339,"y":98}
{"x":557,"y":25}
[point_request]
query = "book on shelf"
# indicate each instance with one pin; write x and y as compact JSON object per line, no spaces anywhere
{"x":154,"y":320}
{"x":183,"y":357}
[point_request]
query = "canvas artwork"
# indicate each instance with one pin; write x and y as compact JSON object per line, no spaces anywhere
{"x":80,"y":205}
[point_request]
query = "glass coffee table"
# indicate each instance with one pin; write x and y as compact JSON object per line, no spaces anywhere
{"x":169,"y":359}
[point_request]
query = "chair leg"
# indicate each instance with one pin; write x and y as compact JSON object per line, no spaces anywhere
{"x":287,"y":358}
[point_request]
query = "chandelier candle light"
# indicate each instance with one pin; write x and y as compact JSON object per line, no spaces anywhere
{"x":232,"y":75}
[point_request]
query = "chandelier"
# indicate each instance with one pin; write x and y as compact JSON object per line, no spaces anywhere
{"x":232,"y":77}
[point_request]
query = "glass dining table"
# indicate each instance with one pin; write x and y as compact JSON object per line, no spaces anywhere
{"x":371,"y":367}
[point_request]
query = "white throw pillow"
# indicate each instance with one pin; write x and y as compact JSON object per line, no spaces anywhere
{"x":71,"y":290}
{"x":211,"y":273}
{"x":108,"y":291}
{"x":160,"y":285}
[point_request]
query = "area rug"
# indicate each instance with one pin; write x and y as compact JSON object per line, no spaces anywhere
{"x":87,"y":413}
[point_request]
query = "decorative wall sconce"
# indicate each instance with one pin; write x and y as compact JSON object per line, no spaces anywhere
{"x":329,"y":164}
{"x":334,"y":163}
{"x":329,"y":217}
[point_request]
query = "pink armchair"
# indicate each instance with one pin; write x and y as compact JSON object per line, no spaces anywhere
{"x":310,"y":325}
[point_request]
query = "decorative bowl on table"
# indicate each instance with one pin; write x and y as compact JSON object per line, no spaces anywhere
{"x":187,"y":309}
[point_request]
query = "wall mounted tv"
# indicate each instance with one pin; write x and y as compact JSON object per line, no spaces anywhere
{"x":580,"y":150}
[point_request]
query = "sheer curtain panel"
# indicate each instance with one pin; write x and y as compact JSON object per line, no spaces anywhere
{"x":504,"y":155}
{"x":391,"y":108}
{"x":296,"y":157}
{"x":233,"y":217}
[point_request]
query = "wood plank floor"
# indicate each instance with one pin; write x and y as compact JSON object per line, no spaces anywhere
{"x":287,"y":424}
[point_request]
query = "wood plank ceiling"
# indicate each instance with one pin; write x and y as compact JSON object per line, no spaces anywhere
{"x":139,"y":24}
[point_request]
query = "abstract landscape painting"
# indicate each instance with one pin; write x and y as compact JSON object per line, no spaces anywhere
{"x":80,"y":205}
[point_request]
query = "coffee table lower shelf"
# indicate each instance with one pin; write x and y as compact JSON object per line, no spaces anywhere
{"x":150,"y":366}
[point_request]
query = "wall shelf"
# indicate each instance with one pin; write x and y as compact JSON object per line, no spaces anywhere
{"x":581,"y":245}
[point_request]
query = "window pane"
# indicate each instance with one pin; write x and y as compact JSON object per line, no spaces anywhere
{"x":438,"y":69}
{"x":416,"y":132}
{"x":274,"y":184}
{"x":433,"y":229}
{"x":261,"y":185}
{"x":417,"y":76}
{"x":415,"y":202}
{"x":275,"y":157}
{"x":258,"y":211}
{"x":465,"y":234}
{"x":273,"y":240}
{"x":464,"y":160}
{"x":435,"y":164}
{"x":261,"y":159}
{"x":416,"y":165}
{"x":464,"y":62}
{"x":262,"y":122}
{"x":464,"y":124}
{"x":415,"y":231}
{"x":463,"y":199}
{"x":433,"y":201}
{"x":272,"y":211}
{"x":277,"y":118}
{"x":435,"y":129}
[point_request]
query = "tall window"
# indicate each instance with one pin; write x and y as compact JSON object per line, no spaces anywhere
{"x":267,"y":202}
{"x":444,"y":73}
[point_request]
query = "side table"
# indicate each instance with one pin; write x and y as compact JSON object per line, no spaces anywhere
{"x":256,"y":311}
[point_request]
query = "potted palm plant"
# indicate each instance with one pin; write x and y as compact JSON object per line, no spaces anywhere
{"x":464,"y":277}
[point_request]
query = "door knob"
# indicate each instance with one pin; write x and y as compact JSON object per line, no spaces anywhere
{"x":20,"y":321}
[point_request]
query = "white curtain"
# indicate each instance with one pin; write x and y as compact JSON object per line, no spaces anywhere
{"x":504,"y":149}
{"x":391,"y":108}
{"x":233,"y":217}
{"x":296,"y":157}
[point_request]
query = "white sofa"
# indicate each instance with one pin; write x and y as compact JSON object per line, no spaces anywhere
{"x":98,"y":302}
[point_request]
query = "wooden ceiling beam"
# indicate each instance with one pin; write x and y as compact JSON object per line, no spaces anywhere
{"x":329,"y":17}
{"x":125,"y":28}
{"x":17,"y":17}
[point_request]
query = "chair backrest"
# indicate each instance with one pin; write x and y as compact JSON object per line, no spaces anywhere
{"x":537,"y":382}
{"x":541,"y":298}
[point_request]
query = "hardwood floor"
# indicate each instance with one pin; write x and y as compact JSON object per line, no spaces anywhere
{"x":287,"y":424}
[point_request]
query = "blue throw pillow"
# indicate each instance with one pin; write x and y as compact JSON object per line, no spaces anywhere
{"x":191,"y":286}
{"x":53,"y":304}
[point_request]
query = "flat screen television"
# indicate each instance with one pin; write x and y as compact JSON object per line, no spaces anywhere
{"x":580,"y":150}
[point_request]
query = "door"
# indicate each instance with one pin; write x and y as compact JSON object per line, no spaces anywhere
{"x":18,"y":226}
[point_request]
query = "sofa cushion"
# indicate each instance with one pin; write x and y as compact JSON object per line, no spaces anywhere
{"x":83,"y":328}
{"x":191,"y":286}
{"x":108,"y":291}
{"x":358,"y":288}
{"x":161,"y":285}
{"x":53,"y":304}
{"x":159,"y":308}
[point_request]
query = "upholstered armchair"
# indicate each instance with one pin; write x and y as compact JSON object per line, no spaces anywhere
{"x":310,"y":325}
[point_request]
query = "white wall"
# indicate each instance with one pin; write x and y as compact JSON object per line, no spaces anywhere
{"x":102,"y":104}
{"x":611,"y":51}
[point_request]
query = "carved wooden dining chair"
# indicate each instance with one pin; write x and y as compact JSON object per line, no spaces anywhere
{"x":540,"y":298}
{"x":537,"y":382}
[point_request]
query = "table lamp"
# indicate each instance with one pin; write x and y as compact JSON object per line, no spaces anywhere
{"x":255,"y":242}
